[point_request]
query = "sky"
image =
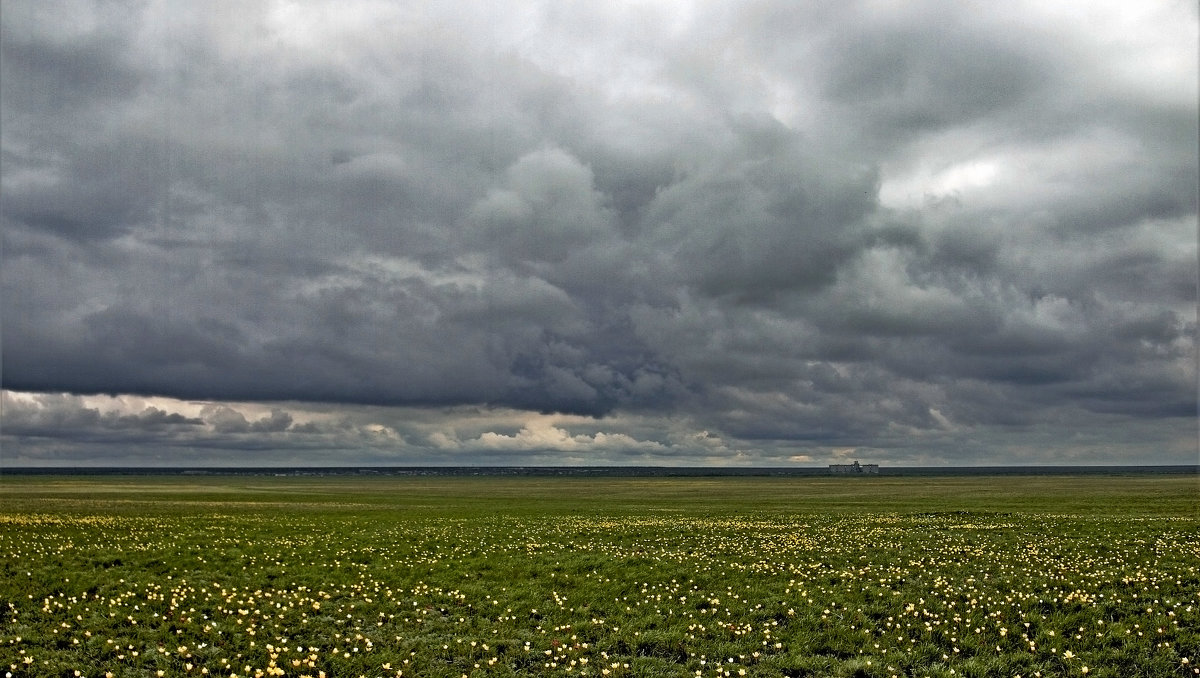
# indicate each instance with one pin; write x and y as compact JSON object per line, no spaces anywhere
{"x":752,"y":233}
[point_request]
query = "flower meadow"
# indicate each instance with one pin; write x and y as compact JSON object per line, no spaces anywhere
{"x":679,"y":577}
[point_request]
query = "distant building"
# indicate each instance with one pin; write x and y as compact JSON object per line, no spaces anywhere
{"x":855,"y":468}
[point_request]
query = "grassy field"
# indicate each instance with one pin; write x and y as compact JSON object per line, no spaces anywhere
{"x":383,"y":576}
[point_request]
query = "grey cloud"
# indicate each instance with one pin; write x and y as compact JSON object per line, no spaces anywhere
{"x":101,"y":192}
{"x":561,"y":210}
{"x":935,"y":71}
{"x":153,"y":418}
{"x":54,"y":61}
{"x":764,"y":219}
{"x":547,"y":209}
{"x":225,"y":419}
{"x":58,"y":415}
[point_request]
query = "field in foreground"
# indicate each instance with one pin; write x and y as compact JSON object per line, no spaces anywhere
{"x":344,"y":576}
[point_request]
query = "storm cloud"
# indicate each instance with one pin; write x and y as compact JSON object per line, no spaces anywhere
{"x":745,"y":233}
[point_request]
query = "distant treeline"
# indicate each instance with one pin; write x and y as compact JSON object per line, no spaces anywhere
{"x":598,"y":471}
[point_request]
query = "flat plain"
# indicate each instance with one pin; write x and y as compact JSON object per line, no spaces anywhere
{"x":1089,"y":575}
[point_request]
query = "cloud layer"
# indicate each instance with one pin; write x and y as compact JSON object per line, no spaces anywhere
{"x":929,"y":232}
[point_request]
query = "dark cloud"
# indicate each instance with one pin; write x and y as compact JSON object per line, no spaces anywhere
{"x":932,"y":227}
{"x":908,"y":75}
{"x":225,"y":419}
{"x":63,"y":418}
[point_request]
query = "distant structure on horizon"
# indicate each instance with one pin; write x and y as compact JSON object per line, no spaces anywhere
{"x":854,"y":468}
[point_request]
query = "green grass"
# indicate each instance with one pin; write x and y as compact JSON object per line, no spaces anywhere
{"x":933,"y":576}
